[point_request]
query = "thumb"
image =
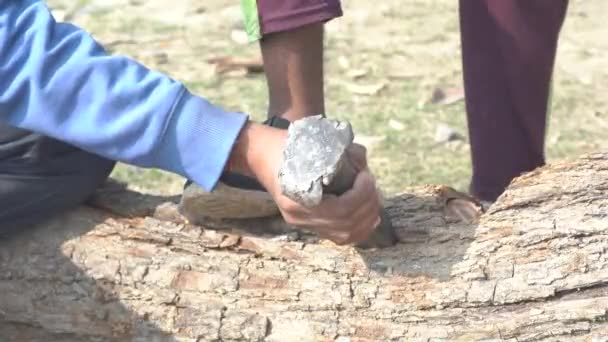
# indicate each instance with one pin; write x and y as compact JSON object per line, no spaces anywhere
{"x":358,"y":156}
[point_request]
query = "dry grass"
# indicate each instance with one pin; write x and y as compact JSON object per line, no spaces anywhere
{"x":409,"y":47}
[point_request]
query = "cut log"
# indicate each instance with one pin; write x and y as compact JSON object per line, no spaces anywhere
{"x":534,"y":267}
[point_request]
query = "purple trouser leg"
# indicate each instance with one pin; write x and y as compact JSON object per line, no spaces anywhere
{"x":283,"y":15}
{"x":508,"y":49}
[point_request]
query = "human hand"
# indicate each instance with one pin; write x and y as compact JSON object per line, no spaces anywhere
{"x":346,"y":219}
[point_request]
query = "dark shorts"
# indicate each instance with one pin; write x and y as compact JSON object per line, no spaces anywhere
{"x":263,"y":17}
{"x":41,"y":177}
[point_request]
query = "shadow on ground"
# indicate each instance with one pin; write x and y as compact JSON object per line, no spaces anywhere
{"x":45,"y":296}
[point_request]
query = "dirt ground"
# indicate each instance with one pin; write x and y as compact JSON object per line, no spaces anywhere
{"x":384,"y":62}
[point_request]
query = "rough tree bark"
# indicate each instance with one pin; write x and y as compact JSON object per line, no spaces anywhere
{"x":532,"y":268}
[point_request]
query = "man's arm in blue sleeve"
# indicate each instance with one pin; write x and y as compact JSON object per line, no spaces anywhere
{"x":55,"y":79}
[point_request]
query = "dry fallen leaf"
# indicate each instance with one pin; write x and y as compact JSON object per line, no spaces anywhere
{"x":404,"y":74}
{"x":239,"y":37}
{"x":463,"y":210}
{"x":460,"y":206}
{"x":369,"y":141}
{"x":243,"y":66}
{"x":365,"y":89}
{"x":447,"y":96}
{"x":445,"y":133}
{"x":236,"y":73}
{"x":161,"y":57}
{"x":200,"y":10}
{"x":396,"y":125}
{"x":343,"y":62}
{"x":555,"y":138}
{"x":230,"y":240}
{"x":356,"y":73}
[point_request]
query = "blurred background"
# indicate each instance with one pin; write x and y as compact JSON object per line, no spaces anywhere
{"x":393,"y":70}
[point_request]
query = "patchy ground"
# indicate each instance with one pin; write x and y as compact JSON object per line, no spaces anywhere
{"x":384,"y":62}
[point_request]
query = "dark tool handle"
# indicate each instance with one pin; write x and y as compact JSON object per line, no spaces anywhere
{"x":384,"y":235}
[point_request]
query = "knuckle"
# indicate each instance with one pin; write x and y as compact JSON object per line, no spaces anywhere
{"x":342,"y":242}
{"x":343,"y":212}
{"x":291,"y":221}
{"x":359,"y":148}
{"x":342,"y":239}
{"x":362,"y":149}
{"x":290,"y":207}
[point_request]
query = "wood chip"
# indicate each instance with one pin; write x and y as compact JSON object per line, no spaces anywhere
{"x":365,"y":89}
{"x":225,"y":64}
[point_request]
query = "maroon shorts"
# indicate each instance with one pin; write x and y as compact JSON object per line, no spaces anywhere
{"x":268,"y":16}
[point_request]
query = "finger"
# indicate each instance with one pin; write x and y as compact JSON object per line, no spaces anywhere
{"x":353,"y":205}
{"x":356,"y":197}
{"x":362,"y":230}
{"x":362,"y":227}
{"x":353,"y":229}
{"x":298,"y":215}
{"x":321,"y":220}
{"x":364,"y":222}
{"x":340,"y":228}
{"x":344,"y":218}
{"x":358,"y":223}
{"x":337,"y":237}
{"x":358,"y":156}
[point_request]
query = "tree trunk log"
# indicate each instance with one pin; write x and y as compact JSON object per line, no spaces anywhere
{"x":534,"y":267}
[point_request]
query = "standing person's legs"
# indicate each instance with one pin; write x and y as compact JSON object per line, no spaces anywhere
{"x":290,"y":34}
{"x":41,"y":177}
{"x":291,"y":40}
{"x":508,"y":49}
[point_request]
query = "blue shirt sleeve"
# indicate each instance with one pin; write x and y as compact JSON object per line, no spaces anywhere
{"x":55,"y":79}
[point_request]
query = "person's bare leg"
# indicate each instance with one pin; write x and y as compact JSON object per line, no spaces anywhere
{"x":293,"y":62}
{"x":291,"y":40}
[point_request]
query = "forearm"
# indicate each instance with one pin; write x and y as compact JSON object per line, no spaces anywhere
{"x":58,"y":81}
{"x":256,"y":148}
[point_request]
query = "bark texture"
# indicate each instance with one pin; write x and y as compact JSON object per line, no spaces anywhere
{"x":534,"y":267}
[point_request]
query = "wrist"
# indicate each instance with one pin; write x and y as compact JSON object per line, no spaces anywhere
{"x":257,"y":152}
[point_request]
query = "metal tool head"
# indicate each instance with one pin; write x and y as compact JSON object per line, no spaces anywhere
{"x":316,"y":161}
{"x":313,"y":155}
